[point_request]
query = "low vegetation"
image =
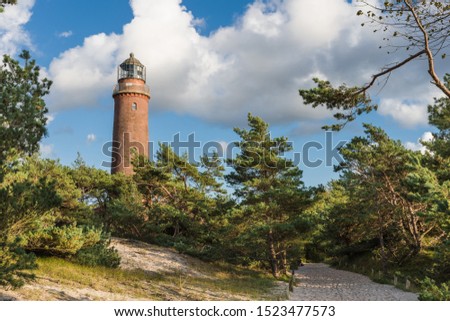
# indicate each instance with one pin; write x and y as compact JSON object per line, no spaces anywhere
{"x":59,"y":279}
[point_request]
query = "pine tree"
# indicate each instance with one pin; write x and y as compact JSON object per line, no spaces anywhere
{"x":22,"y":108}
{"x":270,"y":191}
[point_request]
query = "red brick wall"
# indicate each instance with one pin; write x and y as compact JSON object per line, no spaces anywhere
{"x":130,"y":128}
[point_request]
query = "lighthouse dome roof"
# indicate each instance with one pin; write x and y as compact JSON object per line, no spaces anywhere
{"x":132,"y":60}
{"x":131,"y":68}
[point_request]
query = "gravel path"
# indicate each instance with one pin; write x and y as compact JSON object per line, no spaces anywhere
{"x":319,"y":282}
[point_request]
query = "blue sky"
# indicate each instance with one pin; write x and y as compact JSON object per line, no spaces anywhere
{"x":209,"y":63}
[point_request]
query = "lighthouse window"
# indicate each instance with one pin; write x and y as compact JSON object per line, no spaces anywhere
{"x":134,"y":106}
{"x":140,"y":71}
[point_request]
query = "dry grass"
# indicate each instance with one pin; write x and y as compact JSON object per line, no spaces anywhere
{"x":57,"y":279}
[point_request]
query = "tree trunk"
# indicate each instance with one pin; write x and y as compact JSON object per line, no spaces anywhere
{"x":272,"y":254}
{"x":382,"y":248}
{"x":283,"y":262}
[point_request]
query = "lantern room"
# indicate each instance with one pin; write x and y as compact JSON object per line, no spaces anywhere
{"x":131,"y":68}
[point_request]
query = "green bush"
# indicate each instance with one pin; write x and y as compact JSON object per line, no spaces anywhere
{"x":86,"y":246}
{"x":99,"y":254}
{"x":15,"y":264}
{"x":434,"y":292}
{"x":63,"y":241}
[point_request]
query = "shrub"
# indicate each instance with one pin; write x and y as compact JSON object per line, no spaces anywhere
{"x":99,"y":254}
{"x":14,"y":264}
{"x":433,"y":292}
{"x":61,"y":241}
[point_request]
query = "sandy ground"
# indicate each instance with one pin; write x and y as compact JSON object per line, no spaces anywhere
{"x":315,"y":282}
{"x":152,"y":258}
{"x":319,"y":282}
{"x":142,"y":256}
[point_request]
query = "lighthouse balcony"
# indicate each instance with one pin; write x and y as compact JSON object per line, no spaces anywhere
{"x":131,"y":88}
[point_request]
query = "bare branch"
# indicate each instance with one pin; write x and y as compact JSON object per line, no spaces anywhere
{"x":389,"y":70}
{"x":431,"y":69}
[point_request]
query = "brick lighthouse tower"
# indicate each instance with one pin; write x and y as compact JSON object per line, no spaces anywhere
{"x":131,"y":97}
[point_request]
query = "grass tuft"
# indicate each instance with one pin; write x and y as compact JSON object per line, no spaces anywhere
{"x":58,"y":279}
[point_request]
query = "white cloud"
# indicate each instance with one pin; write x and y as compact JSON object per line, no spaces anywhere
{"x":406,"y":113}
{"x":318,"y":23}
{"x":256,"y":65}
{"x":91,"y":138}
{"x":12,"y":34}
{"x":417,"y":146}
{"x":259,"y":20}
{"x":413,"y":146}
{"x":50,"y":118}
{"x":46,"y":150}
{"x":427,"y":137}
{"x":65,"y":34}
{"x":82,"y":74}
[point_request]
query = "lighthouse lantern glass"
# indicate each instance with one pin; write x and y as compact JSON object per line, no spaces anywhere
{"x":131,"y":71}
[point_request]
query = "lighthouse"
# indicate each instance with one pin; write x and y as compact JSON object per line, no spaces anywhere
{"x":131,"y":100}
